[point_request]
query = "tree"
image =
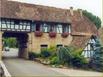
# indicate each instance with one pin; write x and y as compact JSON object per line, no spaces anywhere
{"x":11,"y":42}
{"x":96,"y":61}
{"x":95,"y":19}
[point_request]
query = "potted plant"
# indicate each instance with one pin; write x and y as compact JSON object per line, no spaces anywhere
{"x":52,"y":34}
{"x":38,"y":33}
{"x":65,"y":34}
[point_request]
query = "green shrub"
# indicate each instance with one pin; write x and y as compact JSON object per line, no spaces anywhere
{"x":54,"y":60}
{"x":77,"y":51}
{"x":79,"y":61}
{"x":96,"y":62}
{"x":45,"y":53}
{"x":72,"y":57}
{"x":64,"y":55}
{"x":33,"y":55}
{"x":52,"y":48}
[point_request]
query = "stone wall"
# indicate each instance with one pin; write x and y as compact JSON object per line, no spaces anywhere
{"x":34,"y":42}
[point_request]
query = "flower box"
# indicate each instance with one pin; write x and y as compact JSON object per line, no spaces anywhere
{"x":38,"y":33}
{"x":65,"y":34}
{"x":52,"y":34}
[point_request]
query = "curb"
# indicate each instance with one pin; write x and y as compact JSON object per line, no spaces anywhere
{"x":6,"y":73}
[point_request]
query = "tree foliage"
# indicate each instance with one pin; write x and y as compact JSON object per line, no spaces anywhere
{"x":10,"y":42}
{"x":97,"y":60}
{"x":95,"y":19}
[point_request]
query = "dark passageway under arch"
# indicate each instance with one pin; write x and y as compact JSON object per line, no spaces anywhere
{"x":22,"y":39}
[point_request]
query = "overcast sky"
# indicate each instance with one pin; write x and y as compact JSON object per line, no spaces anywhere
{"x":94,"y":6}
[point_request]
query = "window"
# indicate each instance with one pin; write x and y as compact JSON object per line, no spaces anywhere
{"x":16,"y":22}
{"x":69,"y":28}
{"x":45,"y":28}
{"x":24,"y":25}
{"x":14,"y":25}
{"x":33,"y":27}
{"x":65,"y":28}
{"x":52,"y":28}
{"x":59,"y":28}
{"x":28,"y":27}
{"x":44,"y":46}
{"x":37,"y":27}
{"x":59,"y":45}
{"x":3,"y":22}
{"x":8,"y":24}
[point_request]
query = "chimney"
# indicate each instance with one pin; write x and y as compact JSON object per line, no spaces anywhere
{"x":81,"y":12}
{"x":71,"y":11}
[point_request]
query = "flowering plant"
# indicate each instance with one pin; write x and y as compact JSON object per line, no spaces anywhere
{"x":65,"y":34}
{"x":38,"y":33}
{"x":52,"y":34}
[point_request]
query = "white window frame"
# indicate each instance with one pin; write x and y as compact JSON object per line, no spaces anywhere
{"x":59,"y":28}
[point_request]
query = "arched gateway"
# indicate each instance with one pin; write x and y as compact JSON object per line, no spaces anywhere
{"x":17,"y":29}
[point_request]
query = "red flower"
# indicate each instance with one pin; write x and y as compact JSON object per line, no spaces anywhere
{"x":38,"y":33}
{"x":65,"y":34}
{"x":52,"y":34}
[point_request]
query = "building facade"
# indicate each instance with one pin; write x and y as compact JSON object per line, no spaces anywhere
{"x":43,"y":26}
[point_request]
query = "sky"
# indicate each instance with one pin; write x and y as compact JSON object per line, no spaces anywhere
{"x":93,"y":6}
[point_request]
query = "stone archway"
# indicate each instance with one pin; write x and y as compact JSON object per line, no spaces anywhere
{"x":22,"y":38}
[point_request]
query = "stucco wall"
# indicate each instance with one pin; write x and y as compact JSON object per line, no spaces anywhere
{"x":35,"y":42}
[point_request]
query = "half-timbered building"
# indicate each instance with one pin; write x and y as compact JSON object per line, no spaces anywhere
{"x":44,"y":26}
